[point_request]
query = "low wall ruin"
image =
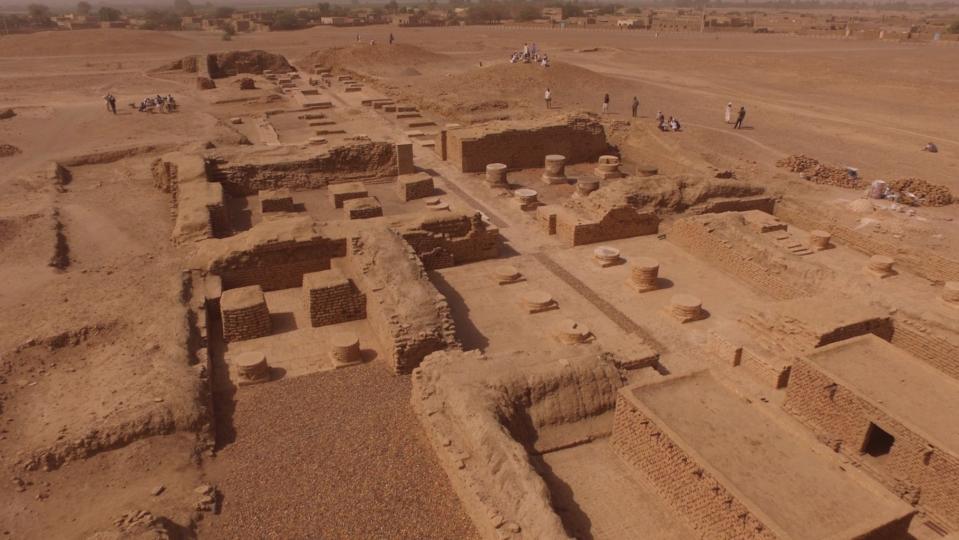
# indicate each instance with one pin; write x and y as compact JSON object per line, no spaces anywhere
{"x":447,"y":239}
{"x":921,"y":261}
{"x":696,"y":235}
{"x":933,"y":343}
{"x":411,"y":317}
{"x":247,"y":172}
{"x":274,"y":254}
{"x":524,"y":146}
{"x":199,"y":205}
{"x":484,"y":415}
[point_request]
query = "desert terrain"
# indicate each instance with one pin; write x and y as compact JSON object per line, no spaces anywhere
{"x":507,"y":355}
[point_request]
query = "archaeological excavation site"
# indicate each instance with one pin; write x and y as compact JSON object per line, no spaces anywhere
{"x":331,"y":298}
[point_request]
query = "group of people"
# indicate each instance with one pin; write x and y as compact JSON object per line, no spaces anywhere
{"x":157,"y":104}
{"x":529,"y":55}
{"x":672,"y":124}
{"x":740,"y":116}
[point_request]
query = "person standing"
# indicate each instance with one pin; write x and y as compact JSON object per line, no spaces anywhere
{"x":391,"y":38}
{"x":740,"y":117}
{"x":635,"y":106}
{"x":606,"y":104}
{"x":548,"y":96}
{"x":729,"y":112}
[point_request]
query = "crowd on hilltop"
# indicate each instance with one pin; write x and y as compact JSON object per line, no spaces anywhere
{"x":529,"y":55}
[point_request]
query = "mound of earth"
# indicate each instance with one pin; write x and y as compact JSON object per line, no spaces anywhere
{"x":7,"y":150}
{"x":231,"y":63}
{"x":96,"y":41}
{"x":376,"y":60}
{"x":7,"y":113}
{"x":506,"y":90}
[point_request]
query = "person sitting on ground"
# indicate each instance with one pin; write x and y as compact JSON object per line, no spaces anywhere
{"x":659,"y":117}
{"x":662,"y":125}
{"x":171,"y":103}
{"x":930,"y":147}
{"x":674,"y":125}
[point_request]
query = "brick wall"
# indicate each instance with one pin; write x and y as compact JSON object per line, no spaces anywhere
{"x":278,"y":266}
{"x":415,"y":186}
{"x":246,"y":322}
{"x":578,"y":138}
{"x":244,"y":176}
{"x":694,"y":236}
{"x":919,"y":341}
{"x":411,"y":317}
{"x":921,"y":261}
{"x":451,"y":239}
{"x":914,"y":469}
{"x":682,"y":482}
{"x":619,"y":222}
{"x":332,"y":298}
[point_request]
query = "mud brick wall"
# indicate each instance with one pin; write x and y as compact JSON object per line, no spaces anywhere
{"x":408,"y":329}
{"x":921,"y":261}
{"x":333,"y":299}
{"x":768,"y":374}
{"x":580,"y":139}
{"x":354,"y":162}
{"x":919,"y":340}
{"x":414,"y":187}
{"x":363,"y":210}
{"x":619,"y":222}
{"x":914,"y":469}
{"x":248,"y":322}
{"x":684,"y":484}
{"x":694,"y":237}
{"x":278,"y":266}
{"x":764,"y":204}
{"x":442,"y":243}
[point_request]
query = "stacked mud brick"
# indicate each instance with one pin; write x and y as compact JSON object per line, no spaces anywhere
{"x":340,"y":193}
{"x":576,"y":229}
{"x":696,"y":235}
{"x":276,"y":200}
{"x":414,"y":186}
{"x":845,"y":411}
{"x":332,"y":298}
{"x":449,"y":239}
{"x":921,"y":261}
{"x":363,"y":208}
{"x":245,"y":314}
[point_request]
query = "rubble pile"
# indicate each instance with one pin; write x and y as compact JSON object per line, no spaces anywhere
{"x":926,"y":194}
{"x":7,"y":150}
{"x":831,"y":176}
{"x":797,"y":163}
{"x":814,"y":171}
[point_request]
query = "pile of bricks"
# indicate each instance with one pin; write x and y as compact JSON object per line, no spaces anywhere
{"x":818,"y":173}
{"x":798,"y":163}
{"x":332,"y":298}
{"x":245,"y":314}
{"x":926,"y":194}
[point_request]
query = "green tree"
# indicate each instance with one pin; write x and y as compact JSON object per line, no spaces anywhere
{"x":84,"y":8}
{"x":285,"y":20}
{"x":39,"y":14}
{"x":527,"y":12}
{"x":183,"y":8}
{"x":108,"y":14}
{"x":224,"y":12}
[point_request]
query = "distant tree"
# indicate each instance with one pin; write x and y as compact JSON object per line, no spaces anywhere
{"x":108,"y":14}
{"x":392,"y":6}
{"x":84,"y":8}
{"x":285,"y":20}
{"x":183,"y":8}
{"x":161,"y":20}
{"x":224,"y":12}
{"x":527,"y":12}
{"x":39,"y":14}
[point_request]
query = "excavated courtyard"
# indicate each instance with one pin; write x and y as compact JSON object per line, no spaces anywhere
{"x":371,"y":291}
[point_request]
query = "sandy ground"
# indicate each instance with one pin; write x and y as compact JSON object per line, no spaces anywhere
{"x":343,"y":457}
{"x":864,"y":104}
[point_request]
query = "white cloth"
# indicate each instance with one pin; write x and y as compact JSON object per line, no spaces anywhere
{"x":547,"y":95}
{"x":729,"y":113}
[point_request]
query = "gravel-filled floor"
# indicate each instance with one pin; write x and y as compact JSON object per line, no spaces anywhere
{"x":332,"y":455}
